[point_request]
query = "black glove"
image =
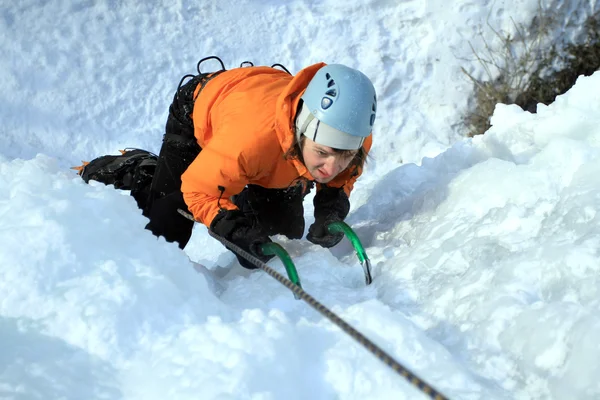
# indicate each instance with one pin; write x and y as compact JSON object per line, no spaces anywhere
{"x":241,"y":230}
{"x":277,"y":211}
{"x":331,"y":205}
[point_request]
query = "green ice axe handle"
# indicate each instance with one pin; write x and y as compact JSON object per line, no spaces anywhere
{"x":341,"y":226}
{"x":274,"y":249}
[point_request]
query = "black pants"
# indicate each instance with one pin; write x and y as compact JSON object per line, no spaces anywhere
{"x":178,"y":150}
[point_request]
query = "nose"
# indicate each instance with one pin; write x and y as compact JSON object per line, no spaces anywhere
{"x":332,"y":165}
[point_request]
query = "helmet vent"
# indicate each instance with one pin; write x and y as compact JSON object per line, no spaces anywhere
{"x":374,"y":109}
{"x":327,"y":76}
{"x":326,"y":102}
{"x":331,"y":92}
{"x":330,"y":83}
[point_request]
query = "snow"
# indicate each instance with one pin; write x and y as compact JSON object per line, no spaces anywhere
{"x":484,"y":251}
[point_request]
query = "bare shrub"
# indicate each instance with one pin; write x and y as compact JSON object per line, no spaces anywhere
{"x":527,"y":70}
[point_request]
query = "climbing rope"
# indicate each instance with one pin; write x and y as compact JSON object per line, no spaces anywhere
{"x":343,"y":325}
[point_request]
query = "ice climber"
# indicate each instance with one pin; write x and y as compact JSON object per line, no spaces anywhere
{"x":242,"y":149}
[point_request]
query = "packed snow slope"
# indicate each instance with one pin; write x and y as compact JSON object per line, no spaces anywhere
{"x":484,"y":251}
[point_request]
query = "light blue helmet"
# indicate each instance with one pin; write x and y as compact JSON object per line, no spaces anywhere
{"x":339,"y":107}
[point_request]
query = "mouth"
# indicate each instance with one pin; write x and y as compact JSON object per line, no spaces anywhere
{"x":323,"y":173}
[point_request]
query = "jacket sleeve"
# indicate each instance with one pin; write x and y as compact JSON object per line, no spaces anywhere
{"x":211,"y":179}
{"x":348,"y":177}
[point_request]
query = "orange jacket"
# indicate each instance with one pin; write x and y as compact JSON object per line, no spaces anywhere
{"x":243,"y":121}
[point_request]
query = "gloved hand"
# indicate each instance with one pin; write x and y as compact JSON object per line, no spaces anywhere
{"x":239,"y":229}
{"x":277,"y":211}
{"x":331,"y":205}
